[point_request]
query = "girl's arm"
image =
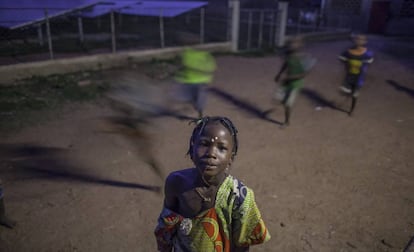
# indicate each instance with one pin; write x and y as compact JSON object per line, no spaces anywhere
{"x":170,"y":192}
{"x":248,"y":227}
{"x":168,"y":219}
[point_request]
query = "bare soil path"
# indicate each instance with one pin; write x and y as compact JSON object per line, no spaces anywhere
{"x":329,"y":182}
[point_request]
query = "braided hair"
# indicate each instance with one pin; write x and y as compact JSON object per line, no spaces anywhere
{"x":201,"y":124}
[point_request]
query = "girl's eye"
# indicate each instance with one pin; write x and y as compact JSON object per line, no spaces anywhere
{"x":222,"y":148}
{"x":204,"y":142}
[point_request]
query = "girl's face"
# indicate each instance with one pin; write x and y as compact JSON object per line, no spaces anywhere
{"x":212,"y":150}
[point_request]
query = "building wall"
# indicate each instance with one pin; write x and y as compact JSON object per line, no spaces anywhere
{"x":401,"y":21}
{"x":356,"y":14}
{"x":346,"y":14}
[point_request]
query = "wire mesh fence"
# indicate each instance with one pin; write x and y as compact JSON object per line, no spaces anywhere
{"x":258,"y":28}
{"x":60,"y":33}
{"x":308,"y":20}
{"x":73,"y":35}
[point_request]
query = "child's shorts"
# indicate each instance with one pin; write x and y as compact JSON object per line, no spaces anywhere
{"x":286,"y":96}
{"x":351,"y":85}
{"x":290,"y":97}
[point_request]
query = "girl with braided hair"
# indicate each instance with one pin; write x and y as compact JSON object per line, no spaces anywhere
{"x":205,"y":208}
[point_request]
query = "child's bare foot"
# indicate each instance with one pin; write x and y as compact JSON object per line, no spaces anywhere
{"x":266,"y":113}
{"x":284,"y":125}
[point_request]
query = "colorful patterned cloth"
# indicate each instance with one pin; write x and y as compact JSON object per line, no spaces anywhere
{"x":234,"y":221}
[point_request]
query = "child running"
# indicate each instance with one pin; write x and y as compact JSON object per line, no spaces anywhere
{"x":293,"y":81}
{"x":205,"y":208}
{"x":196,"y":73}
{"x":356,"y":61}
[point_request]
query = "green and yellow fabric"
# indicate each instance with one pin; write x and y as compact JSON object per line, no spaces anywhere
{"x":198,"y":67}
{"x":234,"y":221}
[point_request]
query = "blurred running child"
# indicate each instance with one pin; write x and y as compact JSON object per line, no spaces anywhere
{"x":205,"y":208}
{"x":197,"y":70}
{"x":356,"y":60}
{"x":296,"y":66}
{"x":137,"y":102}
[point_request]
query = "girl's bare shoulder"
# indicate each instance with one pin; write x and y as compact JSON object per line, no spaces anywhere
{"x":181,"y":180}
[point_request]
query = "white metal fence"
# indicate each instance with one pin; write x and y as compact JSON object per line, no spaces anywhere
{"x":71,"y":35}
{"x":258,"y":28}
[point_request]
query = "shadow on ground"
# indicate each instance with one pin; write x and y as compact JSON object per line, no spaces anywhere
{"x":319,"y":100}
{"x":401,"y":88}
{"x":243,"y":105}
{"x":28,"y":161}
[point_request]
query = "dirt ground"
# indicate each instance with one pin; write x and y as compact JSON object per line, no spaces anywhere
{"x":329,"y":182}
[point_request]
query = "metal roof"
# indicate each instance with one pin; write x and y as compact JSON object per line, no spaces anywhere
{"x":20,"y":13}
{"x":105,"y":7}
{"x":164,"y":8}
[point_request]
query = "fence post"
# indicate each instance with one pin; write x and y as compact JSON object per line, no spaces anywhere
{"x":119,"y":19}
{"x":228,"y":24}
{"x":162,"y":29}
{"x":98,"y":22}
{"x":281,"y":24}
{"x":113,"y":32}
{"x":49,"y":35}
{"x":322,"y":21}
{"x":235,"y":24}
{"x":80,"y":27}
{"x":315,"y":21}
{"x":272,"y":20}
{"x":202,"y":15}
{"x":261,"y":28}
{"x":298,"y":28}
{"x":187,"y":18}
{"x":40,"y":34}
{"x":249,"y":29}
